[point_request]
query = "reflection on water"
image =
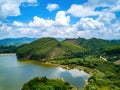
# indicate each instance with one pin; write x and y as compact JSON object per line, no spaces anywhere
{"x":14,"y":73}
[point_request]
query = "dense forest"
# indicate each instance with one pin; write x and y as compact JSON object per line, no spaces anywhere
{"x":8,"y":49}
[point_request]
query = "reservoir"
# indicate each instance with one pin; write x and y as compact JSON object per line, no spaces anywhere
{"x":14,"y":73}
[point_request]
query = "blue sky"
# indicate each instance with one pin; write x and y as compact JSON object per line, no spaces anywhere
{"x":60,"y":18}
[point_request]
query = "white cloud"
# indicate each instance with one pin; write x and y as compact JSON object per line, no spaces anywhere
{"x":5,"y":30}
{"x":81,"y":11}
{"x":104,"y":25}
{"x":106,"y":17}
{"x":39,"y":27}
{"x":11,"y":7}
{"x":90,"y":8}
{"x":52,"y":7}
{"x":100,"y":3}
{"x":116,"y":27}
{"x":18,"y":24}
{"x":115,"y":7}
{"x":61,"y":19}
{"x":30,"y":1}
{"x":40,"y":22}
{"x":89,"y":24}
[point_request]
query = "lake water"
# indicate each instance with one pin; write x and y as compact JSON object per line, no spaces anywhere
{"x":14,"y":73}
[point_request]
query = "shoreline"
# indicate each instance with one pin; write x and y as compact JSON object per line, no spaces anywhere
{"x":67,"y":67}
{"x":7,"y":54}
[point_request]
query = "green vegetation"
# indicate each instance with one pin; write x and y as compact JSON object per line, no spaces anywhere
{"x":99,"y":47}
{"x":47,"y":84}
{"x":8,"y":49}
{"x":105,"y":75}
{"x":49,"y":48}
{"x":112,"y":53}
{"x":93,"y":43}
{"x":96,"y":56}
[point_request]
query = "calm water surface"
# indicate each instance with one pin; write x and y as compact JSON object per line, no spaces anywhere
{"x":14,"y":73}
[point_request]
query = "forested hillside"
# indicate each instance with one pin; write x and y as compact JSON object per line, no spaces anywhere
{"x":93,"y":43}
{"x":49,"y":48}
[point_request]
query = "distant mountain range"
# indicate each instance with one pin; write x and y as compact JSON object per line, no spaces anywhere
{"x":20,"y":41}
{"x":16,"y":41}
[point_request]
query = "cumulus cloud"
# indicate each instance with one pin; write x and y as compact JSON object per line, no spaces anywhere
{"x":89,"y":24}
{"x":104,"y":25}
{"x":116,"y":27}
{"x":115,"y":7}
{"x":106,"y":17}
{"x":90,"y":8}
{"x":100,"y":3}
{"x":61,"y":19}
{"x":52,"y":7}
{"x":11,"y":7}
{"x":18,"y":24}
{"x":40,"y":22}
{"x":97,"y":19}
{"x":81,"y":11}
{"x":40,"y":27}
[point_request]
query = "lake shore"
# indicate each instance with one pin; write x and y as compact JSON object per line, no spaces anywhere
{"x":8,"y":54}
{"x":67,"y":67}
{"x":28,"y":69}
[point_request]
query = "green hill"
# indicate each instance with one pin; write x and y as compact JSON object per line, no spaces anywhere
{"x":91,"y":44}
{"x":49,"y":48}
